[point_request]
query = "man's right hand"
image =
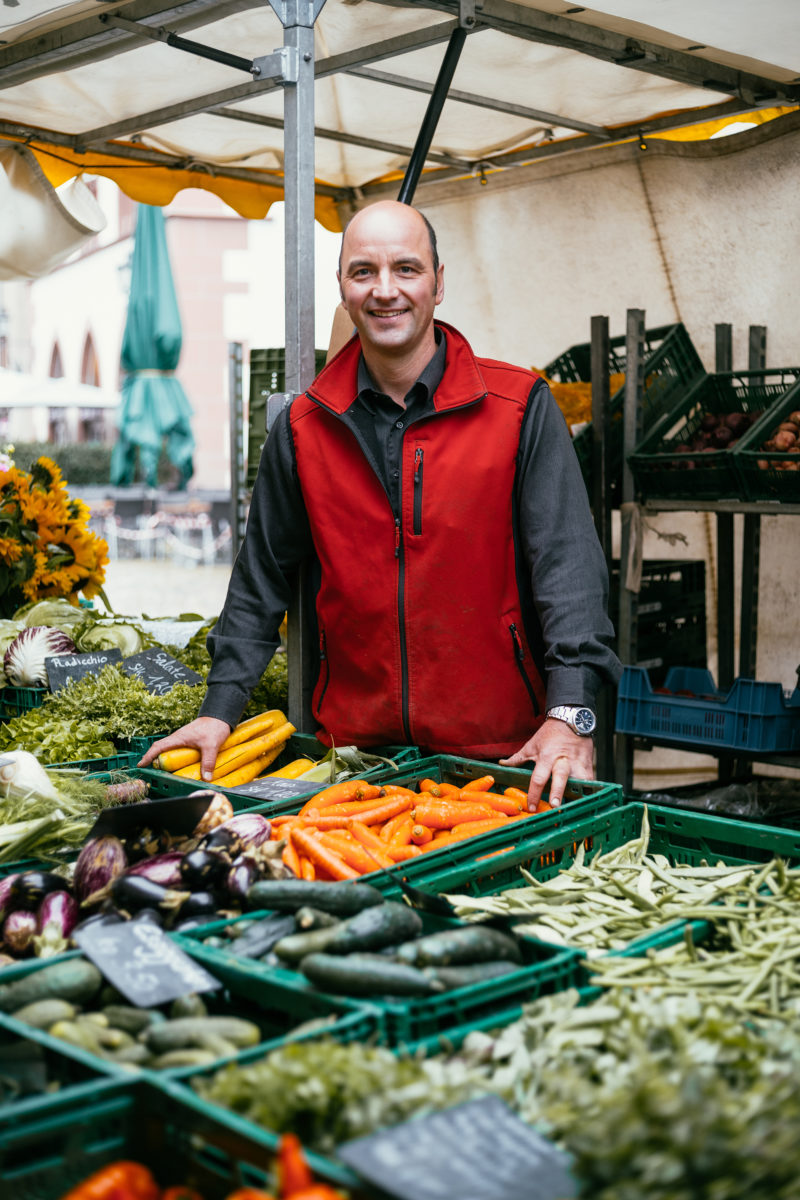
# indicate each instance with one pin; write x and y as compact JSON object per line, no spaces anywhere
{"x":205,"y":734}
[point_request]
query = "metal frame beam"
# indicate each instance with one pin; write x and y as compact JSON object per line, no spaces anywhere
{"x":514,"y":110}
{"x":649,"y":57}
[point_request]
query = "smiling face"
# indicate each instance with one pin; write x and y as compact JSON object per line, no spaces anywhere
{"x":388,"y":284}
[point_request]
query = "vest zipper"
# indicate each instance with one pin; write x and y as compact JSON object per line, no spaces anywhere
{"x":519,"y":655}
{"x":401,"y":621}
{"x":324,"y":664}
{"x":418,"y":456}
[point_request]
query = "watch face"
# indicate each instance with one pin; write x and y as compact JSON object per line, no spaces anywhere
{"x":585,"y":720}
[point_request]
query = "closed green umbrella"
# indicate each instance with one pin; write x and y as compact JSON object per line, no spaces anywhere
{"x":154,"y":411}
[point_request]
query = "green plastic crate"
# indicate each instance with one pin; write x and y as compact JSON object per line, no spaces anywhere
{"x":763,"y":473}
{"x":671,"y":366}
{"x":267,"y":375}
{"x":114,"y":762}
{"x":138,"y":745}
{"x":182,"y":1140}
{"x":32,"y":1074}
{"x":276,"y":1009}
{"x":662,"y":471}
{"x":14,"y":701}
{"x":546,"y":969}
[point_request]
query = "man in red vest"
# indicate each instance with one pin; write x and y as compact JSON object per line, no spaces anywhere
{"x":461,"y":591}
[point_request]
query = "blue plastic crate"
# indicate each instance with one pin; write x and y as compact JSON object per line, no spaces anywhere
{"x":752,"y":716}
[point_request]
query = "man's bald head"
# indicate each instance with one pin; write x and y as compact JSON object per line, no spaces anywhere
{"x":392,"y":208}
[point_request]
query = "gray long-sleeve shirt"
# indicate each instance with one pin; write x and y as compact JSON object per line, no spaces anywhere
{"x":569,"y":579}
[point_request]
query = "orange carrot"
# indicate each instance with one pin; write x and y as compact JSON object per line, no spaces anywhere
{"x":543,"y":805}
{"x":338,"y":793}
{"x":516,"y":794}
{"x":347,"y":808}
{"x":444,"y":814}
{"x":402,"y":835}
{"x":503,"y":804}
{"x":321,"y":856}
{"x":351,"y":851}
{"x":401,"y":853}
{"x":421,"y":834}
{"x":390,"y":827}
{"x":384,"y":810}
{"x":394,"y":789}
{"x":293,"y":1170}
{"x":291,"y":858}
{"x":457,"y":834}
{"x":307,"y":869}
{"x":370,"y":840}
{"x":479,"y":785}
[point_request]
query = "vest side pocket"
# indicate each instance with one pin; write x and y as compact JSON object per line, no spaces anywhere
{"x":519,"y":658}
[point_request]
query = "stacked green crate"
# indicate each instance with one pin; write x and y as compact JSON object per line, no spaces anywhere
{"x":267,"y":375}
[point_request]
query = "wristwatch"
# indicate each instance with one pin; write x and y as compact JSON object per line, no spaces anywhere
{"x":580,"y":720}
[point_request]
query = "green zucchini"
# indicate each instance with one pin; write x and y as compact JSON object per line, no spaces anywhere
{"x":76,"y":980}
{"x":461,"y":945}
{"x":185,"y":1032}
{"x":41,"y":1014}
{"x":295,"y":946}
{"x":375,"y":928}
{"x":465,"y":976}
{"x":343,"y":898}
{"x":366,"y":975}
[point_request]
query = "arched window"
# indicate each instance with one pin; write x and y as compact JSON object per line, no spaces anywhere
{"x":56,"y":366}
{"x":90,"y":368}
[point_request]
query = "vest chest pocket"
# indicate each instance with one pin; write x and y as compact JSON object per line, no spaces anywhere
{"x":419,"y":455}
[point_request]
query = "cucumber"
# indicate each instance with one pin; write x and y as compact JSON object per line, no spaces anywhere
{"x":135,"y":1055}
{"x":131,"y":1020}
{"x":308,"y":918}
{"x":191,"y":1005}
{"x":375,"y":928}
{"x":76,"y":980}
{"x":82,"y":1036}
{"x":366,"y":975}
{"x":181,"y":1058}
{"x":297,"y":945}
{"x":464,"y":944}
{"x":465,"y":976}
{"x":185,"y":1032}
{"x":41,"y":1014}
{"x":343,"y":898}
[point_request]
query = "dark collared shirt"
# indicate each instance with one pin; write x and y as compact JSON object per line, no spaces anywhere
{"x":381,"y":422}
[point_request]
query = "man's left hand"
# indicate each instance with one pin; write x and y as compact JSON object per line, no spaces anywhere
{"x":558,"y":754}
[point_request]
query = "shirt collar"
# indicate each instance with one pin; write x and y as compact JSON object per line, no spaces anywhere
{"x":429,"y":379}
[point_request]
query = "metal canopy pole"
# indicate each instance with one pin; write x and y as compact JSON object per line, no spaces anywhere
{"x":298,"y":18}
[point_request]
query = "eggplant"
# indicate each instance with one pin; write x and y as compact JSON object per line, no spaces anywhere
{"x":161,"y":868}
{"x":6,"y":905}
{"x":18,"y":931}
{"x":246,"y":831}
{"x":198,"y":904}
{"x":100,"y":862}
{"x":133,"y":892}
{"x":30,"y":888}
{"x":59,"y":909}
{"x":242,"y":874}
{"x":146,"y":844}
{"x":203,"y":868}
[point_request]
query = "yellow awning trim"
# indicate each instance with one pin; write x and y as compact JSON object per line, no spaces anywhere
{"x":152,"y":183}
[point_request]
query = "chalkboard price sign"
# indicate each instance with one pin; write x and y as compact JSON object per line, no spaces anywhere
{"x":476,"y":1151}
{"x":158,"y":671}
{"x":61,"y":668}
{"x":277,"y":789}
{"x":140,"y":961}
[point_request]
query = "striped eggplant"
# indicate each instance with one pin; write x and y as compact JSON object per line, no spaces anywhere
{"x":161,"y":868}
{"x":30,"y":888}
{"x":245,"y":831}
{"x":6,"y":905}
{"x":18,"y":931}
{"x":99,"y":863}
{"x":58,"y":909}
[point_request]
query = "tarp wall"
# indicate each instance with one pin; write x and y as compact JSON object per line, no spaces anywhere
{"x":701,"y":233}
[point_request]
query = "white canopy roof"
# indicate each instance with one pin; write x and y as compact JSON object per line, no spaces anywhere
{"x":95,"y":82}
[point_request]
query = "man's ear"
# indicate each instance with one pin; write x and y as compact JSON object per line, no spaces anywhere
{"x":438,"y":294}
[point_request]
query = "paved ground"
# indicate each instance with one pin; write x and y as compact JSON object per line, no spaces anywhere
{"x":159,"y":588}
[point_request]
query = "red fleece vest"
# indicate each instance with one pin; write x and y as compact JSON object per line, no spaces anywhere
{"x":421,"y":633}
